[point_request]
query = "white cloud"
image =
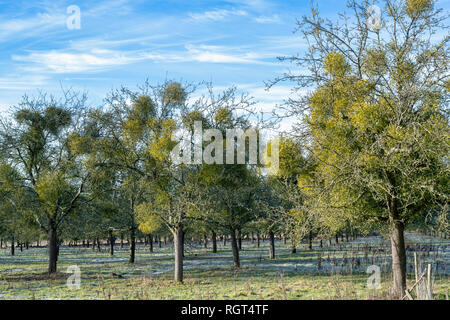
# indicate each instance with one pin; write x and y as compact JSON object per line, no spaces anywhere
{"x":216,"y":15}
{"x":268,"y":19}
{"x":30,"y":26}
{"x":215,"y":54}
{"x":100,"y":59}
{"x":22,"y":82}
{"x":73,"y":62}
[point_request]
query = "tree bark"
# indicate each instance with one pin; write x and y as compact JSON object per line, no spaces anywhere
{"x":398,"y":255}
{"x":271,"y":245}
{"x":150,"y":242}
{"x":258,"y":240}
{"x":52,"y":249}
{"x":205,"y":241}
{"x":310,"y":238}
{"x":12,"y":246}
{"x":234,"y":249}
{"x":214,"y":242}
{"x":132,"y":244}
{"x":112,"y":240}
{"x":178,"y":252}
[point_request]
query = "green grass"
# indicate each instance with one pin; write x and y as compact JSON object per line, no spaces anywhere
{"x":210,"y":276}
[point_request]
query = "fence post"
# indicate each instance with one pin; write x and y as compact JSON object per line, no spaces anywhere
{"x":416,"y":271}
{"x":429,"y":284}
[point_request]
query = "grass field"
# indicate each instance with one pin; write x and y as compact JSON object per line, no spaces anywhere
{"x":335,"y":272}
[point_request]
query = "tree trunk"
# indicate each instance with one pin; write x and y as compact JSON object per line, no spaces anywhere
{"x":150,"y":242}
{"x":99,"y":249}
{"x":258,"y":240}
{"x":205,"y":241}
{"x":52,"y":249}
{"x":132,"y":244}
{"x":337,"y":238}
{"x":178,"y":252}
{"x":214,"y":242}
{"x":224,"y":240}
{"x":398,"y":257}
{"x":112,"y":239}
{"x":271,"y":245}
{"x":310,"y":238}
{"x":12,"y":245}
{"x":234,"y":249}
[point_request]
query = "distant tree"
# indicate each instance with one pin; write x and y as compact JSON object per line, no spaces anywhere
{"x":138,"y":143}
{"x":45,"y":140}
{"x":283,"y":185}
{"x":16,"y":207}
{"x":228,"y":190}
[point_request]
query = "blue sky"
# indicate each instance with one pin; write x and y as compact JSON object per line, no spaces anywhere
{"x":124,"y":42}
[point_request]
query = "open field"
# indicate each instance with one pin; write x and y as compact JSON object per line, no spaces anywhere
{"x":336,"y":272}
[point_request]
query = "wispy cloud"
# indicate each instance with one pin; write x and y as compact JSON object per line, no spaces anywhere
{"x":99,"y":59}
{"x":22,"y":82}
{"x":216,"y":15}
{"x":220,"y":54}
{"x":268,"y":19}
{"x":66,"y":62}
{"x":31,"y":26}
